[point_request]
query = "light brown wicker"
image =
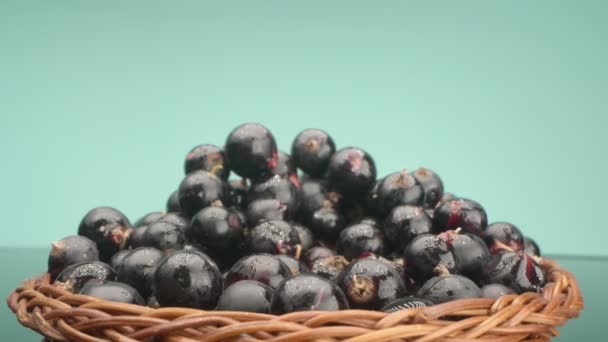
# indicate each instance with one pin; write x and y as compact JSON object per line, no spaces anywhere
{"x":64,"y":316}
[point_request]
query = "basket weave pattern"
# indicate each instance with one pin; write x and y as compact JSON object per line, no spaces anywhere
{"x":63,"y":316}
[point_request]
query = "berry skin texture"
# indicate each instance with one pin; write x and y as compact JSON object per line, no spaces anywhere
{"x":495,"y":291}
{"x":517,"y":271}
{"x":266,"y":209}
{"x":163,"y":236}
{"x":198,"y":190}
{"x":74,"y":277}
{"x":286,"y":168}
{"x":329,"y":267}
{"x":425,"y":253}
{"x":246,"y":295}
{"x":173,"y":203}
{"x":281,"y":189}
{"x":403,"y":224}
{"x":265,"y":268}
{"x":118,"y":258}
{"x":327,"y":223}
{"x":295,"y":266}
{"x":460,"y":213}
{"x":316,"y":253}
{"x":136,"y":238}
{"x":447,"y":288}
{"x":68,"y":251}
{"x":251,"y":151}
{"x":530,"y":247}
{"x":274,"y":237}
{"x":307,"y":292}
{"x":499,"y":235}
{"x":352,"y":171}
{"x":312,"y":196}
{"x":108,"y":228}
{"x":149,"y":218}
{"x":208,"y":158}
{"x":470,"y":251}
{"x":236,"y":192}
{"x":187,"y":279}
{"x":370,"y":284}
{"x":311,"y":151}
{"x":137,"y":269}
{"x":358,"y":239}
{"x":217,"y":229}
{"x":432,"y":186}
{"x":307,"y":239}
{"x":112,"y":291}
{"x":398,"y":188}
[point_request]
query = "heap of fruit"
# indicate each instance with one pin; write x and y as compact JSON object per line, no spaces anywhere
{"x":314,"y":230}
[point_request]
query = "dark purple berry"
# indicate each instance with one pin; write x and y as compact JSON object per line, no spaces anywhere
{"x":251,"y":151}
{"x":427,"y":254}
{"x":237,"y":192}
{"x":277,"y":188}
{"x":246,"y":295}
{"x":517,"y":271}
{"x":118,"y":258}
{"x":312,"y":197}
{"x":75,"y":276}
{"x":327,"y":223}
{"x":136,"y":238}
{"x":296,"y":266}
{"x":307,"y":239}
{"x":218,"y":229}
{"x":399,"y":188}
{"x":503,"y":236}
{"x":470,"y":251}
{"x":207,"y":158}
{"x":371,"y":284}
{"x":149,"y":218}
{"x":163,"y":236}
{"x":264,"y":210}
{"x":108,"y":228}
{"x":495,"y":291}
{"x":274,"y":237}
{"x":68,"y":251}
{"x":358,"y":239}
{"x":403,"y":224}
{"x":316,"y":253}
{"x":137,"y":269}
{"x":265,"y":268}
{"x":530,"y":247}
{"x":311,"y":150}
{"x":352,"y":171}
{"x":173,"y":203}
{"x":286,"y":168}
{"x":446,"y":288}
{"x":307,"y":292}
{"x":112,"y":291}
{"x":187,"y":279}
{"x":432,"y":186}
{"x":460,"y":213}
{"x":198,"y":190}
{"x":329,"y":267}
{"x":371,"y":201}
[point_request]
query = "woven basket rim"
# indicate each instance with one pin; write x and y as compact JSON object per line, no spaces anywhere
{"x":60,"y":315}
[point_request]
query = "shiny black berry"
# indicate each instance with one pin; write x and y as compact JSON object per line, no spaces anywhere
{"x":218,"y":229}
{"x":75,"y":276}
{"x":173,"y":203}
{"x":149,"y":218}
{"x":371,"y":284}
{"x":307,"y":239}
{"x":136,"y":238}
{"x":276,"y":187}
{"x":274,"y":237}
{"x":237,"y":192}
{"x":137,"y":269}
{"x":352,"y":171}
{"x":286,"y":168}
{"x":108,"y":228}
{"x":371,"y":201}
{"x":312,"y":197}
{"x":246,"y":295}
{"x":207,"y":158}
{"x":460,"y":213}
{"x":251,"y":151}
{"x":187,"y":279}
{"x":68,"y":251}
{"x":118,"y":258}
{"x":503,"y":236}
{"x":307,"y":292}
{"x":163,"y":236}
{"x":516,"y":270}
{"x":311,"y":150}
{"x":446,"y":288}
{"x":266,"y":209}
{"x":296,"y":266}
{"x":358,"y":239}
{"x":495,"y":291}
{"x":329,"y":267}
{"x":530,"y":247}
{"x":403,"y":224}
{"x":399,"y":188}
{"x":198,"y":190}
{"x":177,"y":219}
{"x":265,"y":268}
{"x":426,"y":253}
{"x":112,"y":291}
{"x":431,"y":184}
{"x":327,"y":223}
{"x":316,"y":253}
{"x":470,"y":251}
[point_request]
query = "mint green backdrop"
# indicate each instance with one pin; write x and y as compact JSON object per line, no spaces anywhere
{"x":101,"y":100}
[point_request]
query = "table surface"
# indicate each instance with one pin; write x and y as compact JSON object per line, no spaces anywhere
{"x":21,"y":263}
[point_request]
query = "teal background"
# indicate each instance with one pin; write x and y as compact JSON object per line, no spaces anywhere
{"x":101,"y":100}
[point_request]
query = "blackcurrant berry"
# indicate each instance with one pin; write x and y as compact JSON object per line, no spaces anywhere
{"x":404,"y":223}
{"x":399,"y":188}
{"x":274,"y":237}
{"x":136,"y":238}
{"x":217,"y":228}
{"x":316,"y":253}
{"x":446,"y":288}
{"x":277,"y":188}
{"x":503,"y":235}
{"x":75,"y":276}
{"x":237,"y":192}
{"x":149,"y":218}
{"x":426,"y":253}
{"x":163,"y":236}
{"x":198,"y":190}
{"x":329,"y":267}
{"x":286,"y":168}
{"x":265,"y":268}
{"x":264,"y":210}
{"x":530,"y":247}
{"x":68,"y":251}
{"x":137,"y":269}
{"x":187,"y":279}
{"x":246,"y":295}
{"x":251,"y":151}
{"x":327,"y":223}
{"x":108,"y":228}
{"x":470,"y":251}
{"x":516,"y":270}
{"x":173,"y":203}
{"x":460,"y":213}
{"x":307,"y":292}
{"x":358,"y":239}
{"x":296,"y":266}
{"x":112,"y":291}
{"x":307,"y":239}
{"x":432,"y":186}
{"x":312,"y":150}
{"x":118,"y":258}
{"x":207,"y":158}
{"x":352,"y":171}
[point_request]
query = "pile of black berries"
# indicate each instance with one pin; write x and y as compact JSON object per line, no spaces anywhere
{"x":312,"y":230}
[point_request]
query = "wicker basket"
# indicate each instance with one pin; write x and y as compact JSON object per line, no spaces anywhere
{"x":62,"y":316}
